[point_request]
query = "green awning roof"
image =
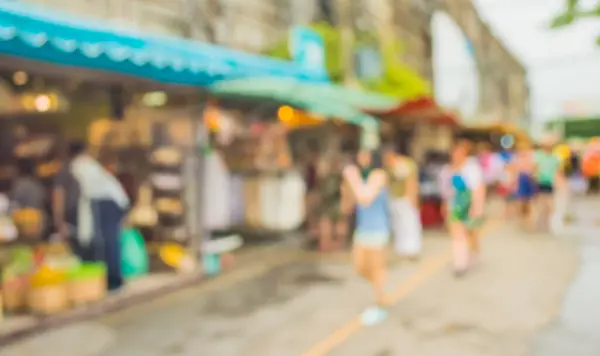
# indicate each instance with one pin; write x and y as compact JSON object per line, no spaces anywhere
{"x":289,"y":90}
{"x":323,"y":99}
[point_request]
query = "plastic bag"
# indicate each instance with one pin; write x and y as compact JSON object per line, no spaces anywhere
{"x":134,"y":257}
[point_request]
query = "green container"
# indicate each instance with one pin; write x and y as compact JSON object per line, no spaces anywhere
{"x":86,"y":271}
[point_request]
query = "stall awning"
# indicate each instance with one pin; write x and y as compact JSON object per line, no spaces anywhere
{"x":294,"y":91}
{"x":40,"y":34}
{"x":421,"y":109}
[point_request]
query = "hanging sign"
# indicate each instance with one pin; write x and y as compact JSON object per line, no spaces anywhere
{"x":308,"y":49}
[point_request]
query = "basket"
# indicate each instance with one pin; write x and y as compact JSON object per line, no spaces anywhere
{"x":87,"y":283}
{"x":14,"y":294}
{"x":48,"y":300}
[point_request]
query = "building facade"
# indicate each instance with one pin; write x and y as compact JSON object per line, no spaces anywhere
{"x":504,"y":90}
{"x":254,"y":25}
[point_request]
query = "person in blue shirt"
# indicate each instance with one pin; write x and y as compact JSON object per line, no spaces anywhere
{"x":368,"y":184}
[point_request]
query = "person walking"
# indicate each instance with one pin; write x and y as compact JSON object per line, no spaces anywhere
{"x":466,"y":207}
{"x":525,"y":184}
{"x":404,"y":203}
{"x":368,"y":183}
{"x":549,"y":179}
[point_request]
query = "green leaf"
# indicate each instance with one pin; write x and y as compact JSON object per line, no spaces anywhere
{"x":563,"y":20}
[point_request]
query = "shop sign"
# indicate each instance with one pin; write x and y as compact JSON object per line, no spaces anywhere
{"x":308,"y":49}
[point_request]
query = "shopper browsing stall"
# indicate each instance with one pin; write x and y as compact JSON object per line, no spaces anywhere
{"x":404,"y":203}
{"x":101,"y":208}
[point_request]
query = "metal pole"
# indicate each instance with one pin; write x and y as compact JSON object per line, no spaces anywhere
{"x":197,"y":157}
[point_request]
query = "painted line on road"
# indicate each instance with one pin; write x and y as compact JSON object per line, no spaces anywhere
{"x":429,"y":268}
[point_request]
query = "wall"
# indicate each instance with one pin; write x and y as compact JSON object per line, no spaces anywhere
{"x":504,"y":92}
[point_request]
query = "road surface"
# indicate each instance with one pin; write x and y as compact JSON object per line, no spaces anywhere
{"x":532,"y":296}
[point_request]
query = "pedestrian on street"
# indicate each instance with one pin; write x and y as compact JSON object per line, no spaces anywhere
{"x":466,"y":207}
{"x":549,"y":180}
{"x":403,"y":179}
{"x":526,"y":187}
{"x":369,"y":184}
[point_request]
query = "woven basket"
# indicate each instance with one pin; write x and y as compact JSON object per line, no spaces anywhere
{"x":14,"y":295}
{"x":87,"y":291}
{"x":48,"y":300}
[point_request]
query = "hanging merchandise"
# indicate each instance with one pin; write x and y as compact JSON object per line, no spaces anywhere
{"x":292,"y":213}
{"x":170,"y":211}
{"x":216,"y":193}
{"x":134,"y":257}
{"x":167,"y":182}
{"x":236,"y":200}
{"x":29,"y":222}
{"x":143,"y":213}
{"x":8,"y":230}
{"x":252,"y":201}
{"x":167,"y":156}
{"x":270,"y":202}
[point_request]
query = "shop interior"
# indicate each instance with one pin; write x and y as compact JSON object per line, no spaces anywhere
{"x":144,"y":137}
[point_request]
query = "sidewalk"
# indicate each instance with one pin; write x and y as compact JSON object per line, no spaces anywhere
{"x":136,"y":291}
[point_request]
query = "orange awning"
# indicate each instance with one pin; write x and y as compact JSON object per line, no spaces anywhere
{"x":422,"y":109}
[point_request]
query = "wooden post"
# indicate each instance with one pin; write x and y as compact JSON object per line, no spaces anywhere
{"x":344,"y":16}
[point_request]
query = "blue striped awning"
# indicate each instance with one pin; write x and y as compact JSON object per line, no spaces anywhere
{"x":32,"y":32}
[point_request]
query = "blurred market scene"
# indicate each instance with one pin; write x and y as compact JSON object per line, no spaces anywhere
{"x":299,"y":177}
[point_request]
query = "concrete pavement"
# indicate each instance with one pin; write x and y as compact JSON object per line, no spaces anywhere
{"x":575,"y":329}
{"x":290,"y":309}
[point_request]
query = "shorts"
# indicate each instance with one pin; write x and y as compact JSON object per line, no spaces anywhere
{"x":372,"y":239}
{"x":544,"y":188}
{"x":526,"y":189}
{"x":466,"y":220}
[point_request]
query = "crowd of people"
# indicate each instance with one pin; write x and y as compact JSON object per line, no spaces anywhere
{"x":380,"y":189}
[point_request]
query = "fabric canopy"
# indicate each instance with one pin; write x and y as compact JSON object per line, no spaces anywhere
{"x":291,"y":91}
{"x":322,"y":99}
{"x":39,"y":34}
{"x":421,"y":110}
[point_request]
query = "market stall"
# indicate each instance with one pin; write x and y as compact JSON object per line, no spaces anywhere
{"x":421,"y":129}
{"x":319,"y":116}
{"x":134,"y":100}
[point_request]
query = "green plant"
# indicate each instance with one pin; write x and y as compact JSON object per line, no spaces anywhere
{"x":574,"y":12}
{"x":398,"y":79}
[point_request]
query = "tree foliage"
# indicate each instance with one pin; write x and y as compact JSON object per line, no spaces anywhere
{"x":574,"y":12}
{"x":398,"y":79}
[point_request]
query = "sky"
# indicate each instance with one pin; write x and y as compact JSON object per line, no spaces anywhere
{"x":561,"y":63}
